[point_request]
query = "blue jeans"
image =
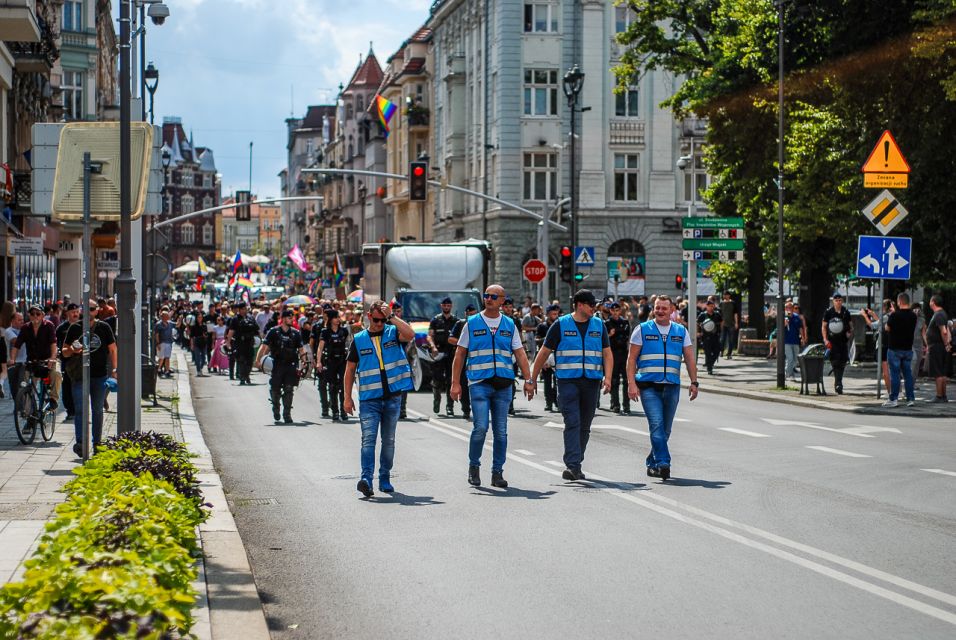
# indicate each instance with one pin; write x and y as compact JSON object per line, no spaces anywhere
{"x":199,"y":358}
{"x":660,"y":406}
{"x":378,"y":415}
{"x":97,"y":395}
{"x":577,"y":400}
{"x":485,"y":399}
{"x":900,"y":361}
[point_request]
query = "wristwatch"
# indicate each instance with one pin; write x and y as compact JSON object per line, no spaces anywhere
{"x":529,"y":381}
{"x":694,"y":383}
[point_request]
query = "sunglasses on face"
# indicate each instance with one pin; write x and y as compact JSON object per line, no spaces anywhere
{"x":491,"y":296}
{"x":35,"y":313}
{"x":371,"y":319}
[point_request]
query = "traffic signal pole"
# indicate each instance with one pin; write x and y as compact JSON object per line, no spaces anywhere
{"x":692,"y":264}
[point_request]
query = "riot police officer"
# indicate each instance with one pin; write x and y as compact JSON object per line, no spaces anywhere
{"x":708,"y":325}
{"x":333,"y":349}
{"x":439,"y":330}
{"x":241,"y":338}
{"x":547,"y":373}
{"x":837,"y":329}
{"x":287,"y":349}
{"x":619,"y":335}
{"x":321,"y":322}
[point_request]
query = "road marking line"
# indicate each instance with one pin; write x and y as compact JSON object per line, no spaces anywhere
{"x":554,"y":463}
{"x":553,"y":424}
{"x":524,"y":452}
{"x":839,"y":452}
{"x":940,"y":471}
{"x":617,"y":427}
{"x":813,"y":425}
{"x":645,"y":501}
{"x":752,"y":434}
{"x":682,"y":420}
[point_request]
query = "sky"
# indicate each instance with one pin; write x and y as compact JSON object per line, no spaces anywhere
{"x":234,"y":70}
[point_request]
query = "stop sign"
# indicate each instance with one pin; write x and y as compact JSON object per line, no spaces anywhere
{"x":535,"y":270}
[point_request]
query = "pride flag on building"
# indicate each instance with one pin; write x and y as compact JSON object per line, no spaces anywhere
{"x":385,"y":109}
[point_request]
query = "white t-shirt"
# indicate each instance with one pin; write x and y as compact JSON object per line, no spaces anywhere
{"x":10,"y":335}
{"x":665,"y":329}
{"x":493,"y":326}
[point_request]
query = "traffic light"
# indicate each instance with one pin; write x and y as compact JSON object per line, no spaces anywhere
{"x":679,"y":282}
{"x":566,"y":264}
{"x":417,"y":181}
{"x":578,"y":276}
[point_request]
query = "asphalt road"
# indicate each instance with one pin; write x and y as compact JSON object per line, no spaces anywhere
{"x":780,"y":522}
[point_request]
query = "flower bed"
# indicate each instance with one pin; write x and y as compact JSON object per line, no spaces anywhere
{"x":119,"y":558}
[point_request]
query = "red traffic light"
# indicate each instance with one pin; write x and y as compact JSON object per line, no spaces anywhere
{"x":565,"y":252}
{"x":418,"y":171}
{"x":679,"y":280}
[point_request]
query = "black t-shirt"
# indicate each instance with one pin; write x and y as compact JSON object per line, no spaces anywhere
{"x":335,"y":344}
{"x":284,"y":345}
{"x":458,"y":328}
{"x":715,"y":317}
{"x":553,"y":337}
{"x":244,"y":329}
{"x":37,"y":342}
{"x":934,"y":330}
{"x":442,"y":327}
{"x":902,"y":324}
{"x":100,"y":340}
{"x":198,"y":333}
{"x":354,"y":357}
{"x":844,"y":316}
{"x":622,"y":333}
{"x":643,"y":312}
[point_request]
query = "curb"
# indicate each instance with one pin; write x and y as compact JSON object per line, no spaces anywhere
{"x":235,"y":610}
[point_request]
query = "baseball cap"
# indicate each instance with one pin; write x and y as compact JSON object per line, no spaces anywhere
{"x":446,"y":300}
{"x":615,"y":305}
{"x":72,"y":306}
{"x":584,"y":296}
{"x":553,"y":307}
{"x":837,"y":294}
{"x":471,"y":307}
{"x":509,"y":300}
{"x":288,"y":313}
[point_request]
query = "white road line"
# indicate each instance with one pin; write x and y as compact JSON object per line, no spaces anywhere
{"x":940,"y":471}
{"x":617,"y":427}
{"x":524,"y":452}
{"x":839,"y":452}
{"x":554,"y":463}
{"x":682,"y":420}
{"x":554,"y":424}
{"x":752,"y":434}
{"x":813,"y":425}
{"x":645,"y":501}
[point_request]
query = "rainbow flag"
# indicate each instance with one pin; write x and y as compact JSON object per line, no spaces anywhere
{"x":243,"y":281}
{"x":385,"y":109}
{"x":338,"y":271}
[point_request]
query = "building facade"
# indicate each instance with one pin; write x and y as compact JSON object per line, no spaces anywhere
{"x":270,"y":232}
{"x":306,"y":139}
{"x":501,"y":125}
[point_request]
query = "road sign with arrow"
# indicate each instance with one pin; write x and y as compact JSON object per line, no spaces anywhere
{"x":884,"y":257}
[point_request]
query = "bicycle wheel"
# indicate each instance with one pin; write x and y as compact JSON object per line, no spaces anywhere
{"x":47,"y":424}
{"x":24,"y":408}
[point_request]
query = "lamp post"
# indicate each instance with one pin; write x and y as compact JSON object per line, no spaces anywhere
{"x":151,"y":80}
{"x":781,"y":370}
{"x":688,"y":164}
{"x":572,"y":84}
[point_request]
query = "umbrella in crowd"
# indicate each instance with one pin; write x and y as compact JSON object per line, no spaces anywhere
{"x":297,"y":301}
{"x":192,"y":267}
{"x":356,"y":296}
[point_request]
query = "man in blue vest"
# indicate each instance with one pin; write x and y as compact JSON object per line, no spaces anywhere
{"x":582,"y":358}
{"x":653,"y":374}
{"x":491,"y":344}
{"x":378,"y":356}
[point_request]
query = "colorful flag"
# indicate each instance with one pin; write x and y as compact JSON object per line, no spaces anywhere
{"x":243,"y":281}
{"x":202,"y":267}
{"x":296,"y":256}
{"x":237,"y":261}
{"x":338,"y":271}
{"x":385,"y":109}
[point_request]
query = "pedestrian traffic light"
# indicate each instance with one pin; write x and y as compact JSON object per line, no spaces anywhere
{"x":566,"y":264}
{"x":418,"y":181}
{"x":679,"y":282}
{"x":578,"y":276}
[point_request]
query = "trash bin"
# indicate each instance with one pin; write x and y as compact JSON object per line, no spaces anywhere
{"x":811,"y":368}
{"x":149,"y":378}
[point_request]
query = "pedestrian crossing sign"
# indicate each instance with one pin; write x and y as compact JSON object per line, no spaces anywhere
{"x":584,"y":256}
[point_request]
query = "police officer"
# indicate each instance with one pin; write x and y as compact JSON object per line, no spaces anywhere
{"x":470,"y":310}
{"x":377,"y":356}
{"x":333,"y":349}
{"x":285,"y":344}
{"x":708,"y":327}
{"x":241,"y":339}
{"x":317,"y":328}
{"x":547,"y":373}
{"x":582,"y":358}
{"x":439,"y":330}
{"x":837,"y":329}
{"x":619,"y":334}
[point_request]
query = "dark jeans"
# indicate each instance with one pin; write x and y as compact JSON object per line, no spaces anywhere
{"x":727,"y":339}
{"x":619,"y":380}
{"x":199,"y":357}
{"x":550,"y":389}
{"x":839,"y":357}
{"x":67,"y":394}
{"x":97,"y":395}
{"x":378,"y":416}
{"x":441,"y":379}
{"x":711,"y":344}
{"x":577,"y":399}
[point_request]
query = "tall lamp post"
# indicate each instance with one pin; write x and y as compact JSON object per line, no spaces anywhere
{"x":572,"y":83}
{"x":151,"y":80}
{"x":781,"y":370}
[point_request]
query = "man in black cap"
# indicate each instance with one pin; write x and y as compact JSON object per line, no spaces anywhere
{"x":709,"y":322}
{"x":837,"y":329}
{"x":547,"y":373}
{"x":619,"y":335}
{"x":439,"y":330}
{"x":241,"y":338}
{"x":287,"y":349}
{"x":470,"y":310}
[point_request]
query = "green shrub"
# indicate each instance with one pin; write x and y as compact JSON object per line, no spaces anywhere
{"x":119,"y":558}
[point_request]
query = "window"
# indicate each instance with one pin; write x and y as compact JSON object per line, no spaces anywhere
{"x":540,"y":17}
{"x":627,"y":264}
{"x":72,"y":16}
{"x":187,"y":205}
{"x":625,"y":104}
{"x":72,"y":86}
{"x":207,"y":233}
{"x":696,"y":175}
{"x":188,"y":233}
{"x":207,"y":202}
{"x":540,"y":176}
{"x":626,"y":173}
{"x":207,"y":180}
{"x":186,"y":178}
{"x":623,"y":17}
{"x":541,"y":92}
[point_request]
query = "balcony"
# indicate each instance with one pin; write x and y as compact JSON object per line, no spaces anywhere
{"x":18,"y":22}
{"x":36,"y":57}
{"x":418,"y":118}
{"x":22,"y":192}
{"x":626,"y":131}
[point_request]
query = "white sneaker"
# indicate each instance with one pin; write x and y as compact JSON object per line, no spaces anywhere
{"x":890,"y":404}
{"x":911,"y":403}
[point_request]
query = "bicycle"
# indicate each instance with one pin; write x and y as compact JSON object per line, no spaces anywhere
{"x":31,"y":406}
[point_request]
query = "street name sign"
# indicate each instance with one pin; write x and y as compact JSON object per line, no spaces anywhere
{"x":885,"y":212}
{"x":701,"y":222}
{"x":884,"y":257}
{"x":886,"y":166}
{"x":712,"y":244}
{"x":24,"y":246}
{"x":584,"y":256}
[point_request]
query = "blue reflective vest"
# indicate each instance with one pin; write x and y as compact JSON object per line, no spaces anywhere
{"x":579,"y":356}
{"x":660,"y":355}
{"x":490,"y":355}
{"x":397,"y":371}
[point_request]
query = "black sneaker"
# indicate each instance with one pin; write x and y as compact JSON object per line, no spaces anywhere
{"x":549,"y":408}
{"x":403,"y":416}
{"x":325,"y":414}
{"x":653,"y":473}
{"x":449,"y":411}
{"x":68,"y":417}
{"x":287,"y":419}
{"x":473,"y":478}
{"x":365,"y":486}
{"x":665,"y":473}
{"x":466,"y":415}
{"x":567,"y":474}
{"x":498,"y":480}
{"x":626,"y":411}
{"x":436,"y":406}
{"x":78,"y":450}
{"x":276,"y":417}
{"x":335,"y":417}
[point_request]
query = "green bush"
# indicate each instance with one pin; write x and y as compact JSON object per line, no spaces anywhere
{"x":119,"y":558}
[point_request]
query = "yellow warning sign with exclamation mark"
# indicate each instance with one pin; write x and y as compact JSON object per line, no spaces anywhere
{"x":886,"y":166}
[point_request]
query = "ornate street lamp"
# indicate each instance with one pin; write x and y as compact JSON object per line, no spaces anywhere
{"x":151,"y":79}
{"x":573,"y":83}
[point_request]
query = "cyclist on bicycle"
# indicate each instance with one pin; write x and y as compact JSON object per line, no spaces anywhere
{"x":39,"y":336}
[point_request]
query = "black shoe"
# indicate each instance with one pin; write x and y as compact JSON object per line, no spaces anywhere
{"x":626,"y":412}
{"x":473,"y":478}
{"x":403,"y":416}
{"x":573,"y":474}
{"x":616,"y":410}
{"x":231,"y":378}
{"x":839,"y":389}
{"x":653,"y":473}
{"x":78,"y":450}
{"x":665,"y":473}
{"x":466,"y":415}
{"x":511,"y":411}
{"x":436,"y":406}
{"x":68,"y":417}
{"x":53,"y":404}
{"x":449,"y":411}
{"x":710,"y":370}
{"x":498,"y":480}
{"x":549,"y":408}
{"x":325,"y":413}
{"x":335,"y":417}
{"x":242,"y":383}
{"x":276,"y":416}
{"x":287,"y":419}
{"x":365,"y":486}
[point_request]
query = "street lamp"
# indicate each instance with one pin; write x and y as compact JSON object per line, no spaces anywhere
{"x":151,"y":79}
{"x":781,"y":370}
{"x":573,"y":83}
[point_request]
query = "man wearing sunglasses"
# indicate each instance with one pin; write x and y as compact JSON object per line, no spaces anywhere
{"x":582,"y":358}
{"x":491,"y":344}
{"x":39,"y":336}
{"x":377,"y":355}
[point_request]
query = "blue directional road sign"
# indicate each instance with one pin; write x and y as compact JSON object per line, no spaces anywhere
{"x":584,"y":256}
{"x":884,"y":257}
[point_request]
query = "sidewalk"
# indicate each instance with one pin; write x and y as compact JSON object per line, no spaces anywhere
{"x":31,"y":476}
{"x":756,"y":378}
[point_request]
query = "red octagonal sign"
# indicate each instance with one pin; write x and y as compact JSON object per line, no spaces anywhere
{"x":535,"y":270}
